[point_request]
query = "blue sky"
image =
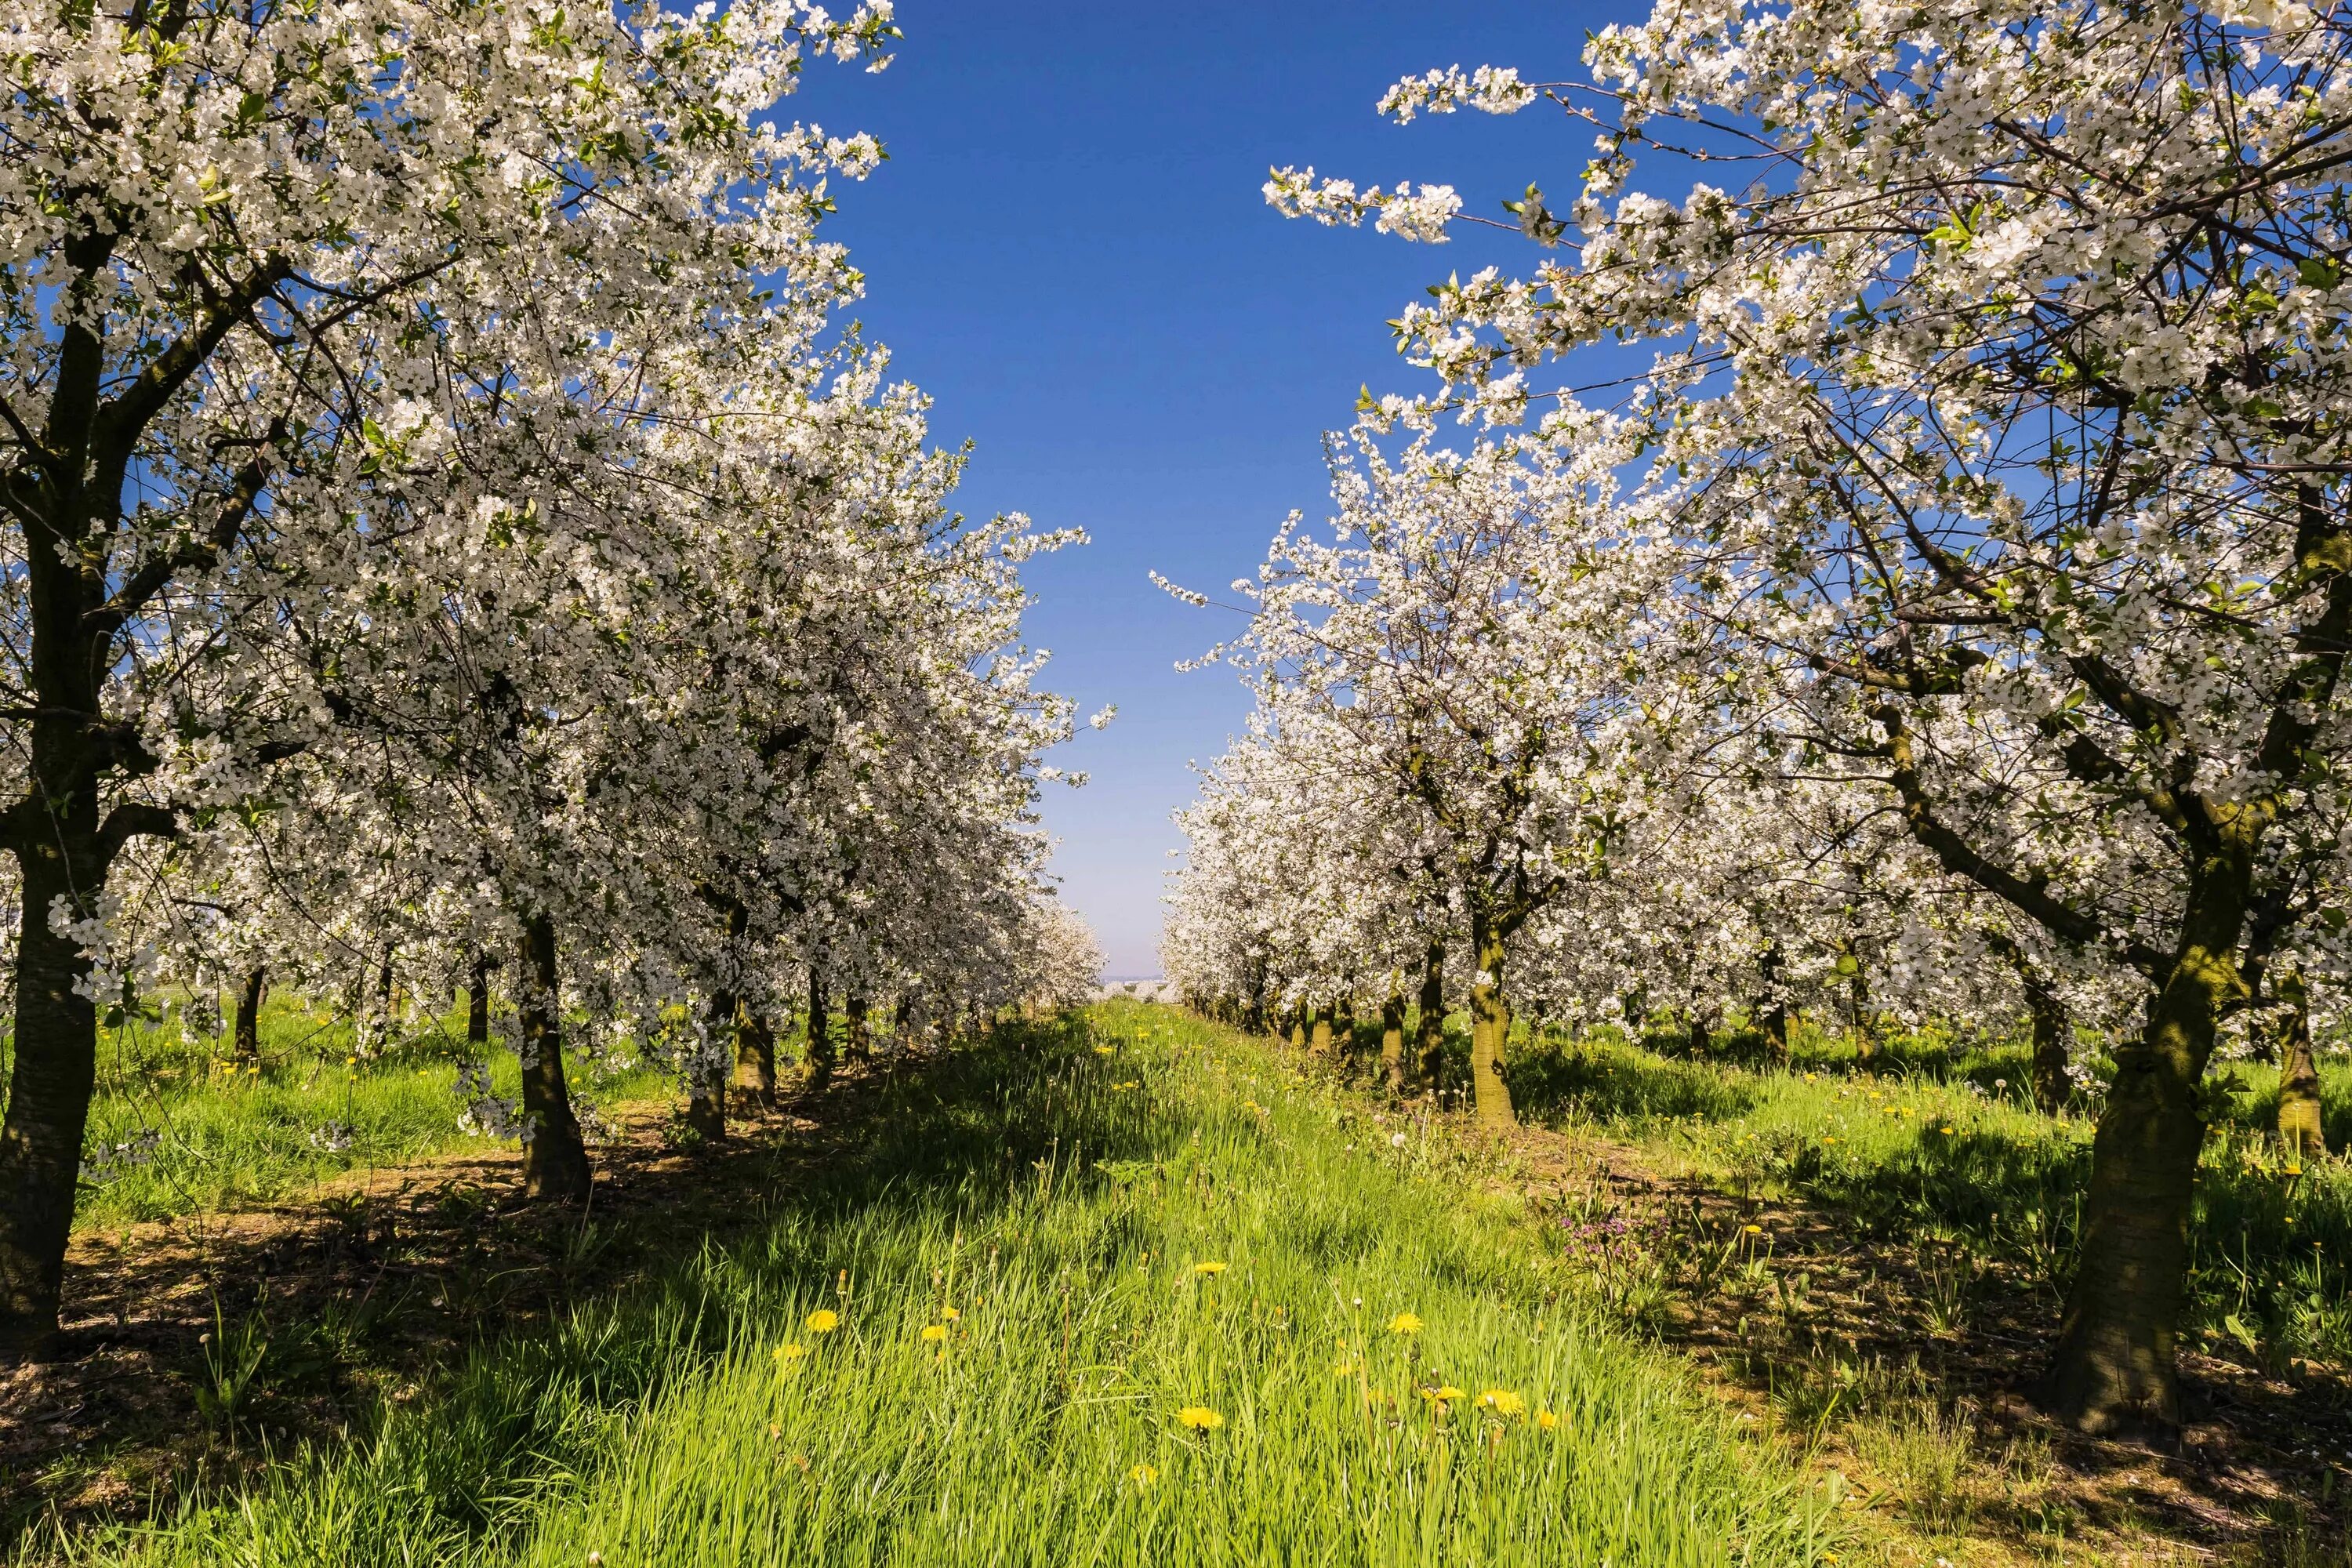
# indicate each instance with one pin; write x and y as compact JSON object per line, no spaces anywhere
{"x":1069,"y":251}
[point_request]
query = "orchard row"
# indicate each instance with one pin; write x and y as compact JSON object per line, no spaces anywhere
{"x":1909,"y":577}
{"x":450,"y":526}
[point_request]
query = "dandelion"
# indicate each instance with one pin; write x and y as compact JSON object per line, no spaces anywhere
{"x":1142,"y":1476}
{"x":1503,"y":1402}
{"x":935,"y":1333}
{"x":1208,"y":1269}
{"x":1826,"y":1139}
{"x":1752,"y":1229}
{"x":824,"y":1321}
{"x":1404,"y":1323}
{"x":1199,"y":1418}
{"x":1547,"y":1420}
{"x":1947,"y":1133}
{"x":949,"y":1313}
{"x":787,"y":1354}
{"x":776,"y":1429}
{"x":1444,"y":1394}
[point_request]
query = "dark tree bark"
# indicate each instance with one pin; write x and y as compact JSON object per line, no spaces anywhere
{"x":2052,"y":1087}
{"x":478,"y":1003}
{"x":820,"y":1030}
{"x":555,"y":1161}
{"x":248,"y":1014}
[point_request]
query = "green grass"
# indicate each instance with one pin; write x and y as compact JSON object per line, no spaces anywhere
{"x":224,"y":1138}
{"x":1060,"y":1187}
{"x":2269,"y":1277}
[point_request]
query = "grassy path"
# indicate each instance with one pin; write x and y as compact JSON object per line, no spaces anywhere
{"x":1123,"y":1291}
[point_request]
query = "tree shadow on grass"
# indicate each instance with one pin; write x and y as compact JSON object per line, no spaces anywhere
{"x":198,"y":1356}
{"x":1615,"y":1085}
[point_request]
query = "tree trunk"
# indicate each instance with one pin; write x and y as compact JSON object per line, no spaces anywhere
{"x":1392,"y":1035}
{"x":705,"y":1082}
{"x":820,"y":1031}
{"x":1429,"y":1028}
{"x":49,"y":1086}
{"x":248,"y":1014}
{"x":554,"y":1161}
{"x":2113,"y":1366}
{"x":383,"y":997}
{"x":478,"y":1002}
{"x":1490,"y":1023}
{"x":2051,"y":1087}
{"x":1772,"y":1008}
{"x":2299,"y":1128}
{"x":755,"y":1056}
{"x":861,"y":1046}
{"x":1343,"y":1024}
{"x":1320,"y":1039}
{"x":1701,"y":1039}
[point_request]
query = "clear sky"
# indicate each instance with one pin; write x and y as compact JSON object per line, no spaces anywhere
{"x":1069,"y":251}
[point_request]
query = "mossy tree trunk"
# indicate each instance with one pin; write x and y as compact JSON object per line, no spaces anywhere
{"x":1392,"y":1034}
{"x":755,"y":1056}
{"x":1490,"y":1024}
{"x":1429,"y":1026}
{"x":2299,"y":1126}
{"x":554,"y":1161}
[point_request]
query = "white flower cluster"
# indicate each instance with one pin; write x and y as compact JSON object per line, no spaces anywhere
{"x":109,"y":1162}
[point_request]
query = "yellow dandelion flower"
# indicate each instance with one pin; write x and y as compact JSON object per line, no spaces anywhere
{"x":1404,"y":1323}
{"x":1503,"y":1402}
{"x":776,"y":1429}
{"x":1547,"y":1420}
{"x":824,"y":1321}
{"x":1199,"y":1418}
{"x":949,"y":1313}
{"x":1442,"y":1395}
{"x":935,"y":1333}
{"x":1949,"y":1132}
{"x":1752,"y":1229}
{"x":1826,"y":1139}
{"x":1142,"y":1476}
{"x":787,"y":1354}
{"x":1102,"y":1050}
{"x":2294,"y":1169}
{"x":1208,"y":1269}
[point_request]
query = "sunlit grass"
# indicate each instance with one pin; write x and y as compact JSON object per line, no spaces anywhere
{"x":206,"y":1132}
{"x":1126,"y":1292}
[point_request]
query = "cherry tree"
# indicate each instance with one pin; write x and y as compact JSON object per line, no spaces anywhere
{"x":1998,"y":409}
{"x":229,"y":229}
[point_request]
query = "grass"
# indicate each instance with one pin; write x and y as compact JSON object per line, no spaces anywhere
{"x":1938,"y":1140}
{"x":1109,"y":1220}
{"x":205,"y":1134}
